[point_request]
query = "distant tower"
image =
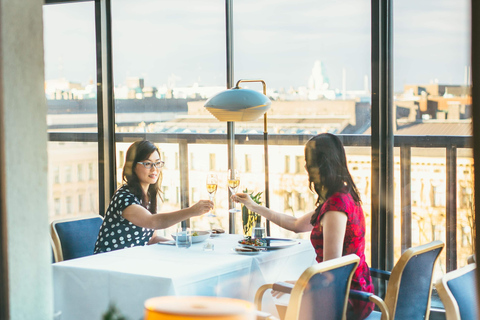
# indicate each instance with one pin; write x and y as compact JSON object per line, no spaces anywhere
{"x":318,"y":79}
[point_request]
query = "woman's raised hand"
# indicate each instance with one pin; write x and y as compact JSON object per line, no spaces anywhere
{"x":244,"y":199}
{"x":202,"y":206}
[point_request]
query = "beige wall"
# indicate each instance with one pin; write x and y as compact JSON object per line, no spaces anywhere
{"x":24,"y":153}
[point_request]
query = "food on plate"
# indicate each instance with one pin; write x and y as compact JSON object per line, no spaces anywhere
{"x":253,"y":242}
{"x":194,"y":234}
{"x":218,"y":231}
{"x":245,"y":249}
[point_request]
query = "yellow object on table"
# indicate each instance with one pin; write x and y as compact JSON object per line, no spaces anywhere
{"x":212,"y":308}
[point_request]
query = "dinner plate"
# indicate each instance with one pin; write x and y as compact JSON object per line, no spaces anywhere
{"x":274,"y":243}
{"x":246,"y":253}
{"x":201,"y":236}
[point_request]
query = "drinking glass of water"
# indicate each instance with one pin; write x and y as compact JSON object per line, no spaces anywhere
{"x":183,"y":238}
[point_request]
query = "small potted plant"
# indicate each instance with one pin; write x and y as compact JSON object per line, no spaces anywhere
{"x":251,"y":219}
{"x":113,"y":313}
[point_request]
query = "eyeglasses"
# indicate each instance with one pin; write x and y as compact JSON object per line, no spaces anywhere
{"x":149,"y":165}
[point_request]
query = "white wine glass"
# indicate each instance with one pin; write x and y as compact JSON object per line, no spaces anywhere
{"x":212,"y":183}
{"x":233,"y":183}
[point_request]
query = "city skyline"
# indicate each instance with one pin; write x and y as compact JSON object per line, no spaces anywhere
{"x":164,"y":42}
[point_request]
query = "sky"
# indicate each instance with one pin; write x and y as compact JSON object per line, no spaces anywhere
{"x":182,"y":42}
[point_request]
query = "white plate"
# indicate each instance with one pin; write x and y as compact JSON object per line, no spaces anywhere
{"x":274,"y":243}
{"x":246,"y":253}
{"x":202,"y":236}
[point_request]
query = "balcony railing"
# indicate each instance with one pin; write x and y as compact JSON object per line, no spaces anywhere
{"x":405,"y":143}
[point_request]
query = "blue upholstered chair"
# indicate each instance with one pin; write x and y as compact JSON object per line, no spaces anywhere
{"x":321,"y":292}
{"x":75,"y":238}
{"x":409,"y":286}
{"x":457,"y":290}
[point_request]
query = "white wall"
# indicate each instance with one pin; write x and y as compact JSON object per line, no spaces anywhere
{"x":23,"y":145}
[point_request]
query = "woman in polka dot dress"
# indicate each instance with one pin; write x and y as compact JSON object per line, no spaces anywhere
{"x":131,"y":218}
{"x":337,"y":225}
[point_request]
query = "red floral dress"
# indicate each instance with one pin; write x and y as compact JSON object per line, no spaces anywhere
{"x":354,"y":243}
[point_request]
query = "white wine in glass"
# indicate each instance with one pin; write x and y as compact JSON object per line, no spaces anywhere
{"x":212,"y":182}
{"x":233,"y":183}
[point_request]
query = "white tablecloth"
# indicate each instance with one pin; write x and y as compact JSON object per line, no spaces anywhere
{"x":84,"y":287}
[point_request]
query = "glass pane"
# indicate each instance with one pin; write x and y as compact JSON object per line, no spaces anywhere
{"x":70,"y":90}
{"x":465,"y":209}
{"x":169,"y":56}
{"x":73,"y":179}
{"x":433,"y":98}
{"x":316,"y":65}
{"x":70,"y":69}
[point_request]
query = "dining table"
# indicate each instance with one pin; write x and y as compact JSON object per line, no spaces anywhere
{"x":85,"y":288}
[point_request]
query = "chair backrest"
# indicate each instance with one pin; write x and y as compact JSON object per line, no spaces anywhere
{"x":457,"y":290}
{"x":54,"y":251}
{"x":471,"y":259}
{"x":410,"y":285}
{"x":321,"y":292}
{"x":75,"y":238}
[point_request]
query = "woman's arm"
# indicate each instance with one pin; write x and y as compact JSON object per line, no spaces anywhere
{"x":301,"y":224}
{"x":155,"y":238}
{"x":141,"y":217}
{"x":334,"y":224}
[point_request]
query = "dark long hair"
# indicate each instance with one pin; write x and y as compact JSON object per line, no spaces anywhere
{"x":140,"y":151}
{"x":327,"y":169}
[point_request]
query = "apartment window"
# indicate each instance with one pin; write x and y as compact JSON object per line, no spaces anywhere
{"x":68,"y":204}
{"x":438,"y":232}
{"x":80,"y":172}
{"x":212,"y":162}
{"x":56,"y":174}
{"x":90,"y":171}
{"x":466,"y":236}
{"x":248,"y":163}
{"x":287,"y":164}
{"x":166,"y":193}
{"x":194,"y":195}
{"x":288,"y":201}
{"x":465,"y":197}
{"x":92,"y":201}
{"x":57,"y":206}
{"x":299,"y":164}
{"x":68,"y":174}
{"x":438,"y":196}
{"x":300,"y":201}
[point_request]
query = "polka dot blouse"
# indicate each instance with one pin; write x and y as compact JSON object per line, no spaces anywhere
{"x":117,"y":232}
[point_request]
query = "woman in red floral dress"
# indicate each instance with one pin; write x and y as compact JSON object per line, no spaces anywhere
{"x":337,"y":225}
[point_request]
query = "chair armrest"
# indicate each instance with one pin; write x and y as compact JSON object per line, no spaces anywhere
{"x":283,"y":287}
{"x":260,"y":315}
{"x":370,"y":297}
{"x":259,"y":295}
{"x":381,"y":274}
{"x":360,"y":295}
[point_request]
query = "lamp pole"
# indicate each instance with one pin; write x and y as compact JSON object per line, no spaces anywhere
{"x":265,"y":149}
{"x":230,"y":124}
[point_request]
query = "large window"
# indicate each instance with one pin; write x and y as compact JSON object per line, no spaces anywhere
{"x":70,"y":90}
{"x":432,"y":98}
{"x":169,"y":57}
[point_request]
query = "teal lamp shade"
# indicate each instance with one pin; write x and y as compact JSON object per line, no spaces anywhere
{"x":238,"y":105}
